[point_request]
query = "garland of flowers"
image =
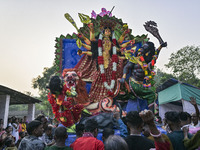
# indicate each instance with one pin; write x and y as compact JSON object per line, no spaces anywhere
{"x":70,"y":113}
{"x":114,"y":63}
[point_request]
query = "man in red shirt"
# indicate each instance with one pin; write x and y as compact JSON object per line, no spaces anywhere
{"x":89,"y":141}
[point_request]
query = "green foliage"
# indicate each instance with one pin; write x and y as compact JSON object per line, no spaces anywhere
{"x":41,"y":83}
{"x":185,"y":64}
{"x":161,"y":77}
{"x":21,"y":107}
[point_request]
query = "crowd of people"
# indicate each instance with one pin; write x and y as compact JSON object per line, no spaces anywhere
{"x":138,"y":131}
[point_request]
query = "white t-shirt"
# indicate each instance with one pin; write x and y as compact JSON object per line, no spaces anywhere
{"x":15,"y":132}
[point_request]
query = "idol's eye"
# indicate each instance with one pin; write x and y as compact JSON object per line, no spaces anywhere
{"x":74,"y":74}
{"x":66,"y":75}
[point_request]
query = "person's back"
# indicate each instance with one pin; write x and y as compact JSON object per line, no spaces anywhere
{"x":31,"y":142}
{"x":136,"y":142}
{"x":88,"y":141}
{"x":176,"y":138}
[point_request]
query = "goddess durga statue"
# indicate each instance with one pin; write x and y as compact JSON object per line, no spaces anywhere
{"x":106,"y":50}
{"x":103,"y":61}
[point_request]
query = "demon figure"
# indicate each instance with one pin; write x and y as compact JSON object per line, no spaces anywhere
{"x":141,"y":66}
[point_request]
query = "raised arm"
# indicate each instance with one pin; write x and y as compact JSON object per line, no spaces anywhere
{"x":86,"y":40}
{"x":194,"y":103}
{"x":121,"y":39}
{"x":92,"y":35}
{"x":157,"y":52}
{"x":88,"y":47}
{"x":127,"y":67}
{"x":127,"y":43}
{"x":148,"y":118}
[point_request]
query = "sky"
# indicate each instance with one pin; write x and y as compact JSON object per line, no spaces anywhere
{"x":28,"y":29}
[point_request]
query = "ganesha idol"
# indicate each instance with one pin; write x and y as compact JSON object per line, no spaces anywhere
{"x":67,"y":97}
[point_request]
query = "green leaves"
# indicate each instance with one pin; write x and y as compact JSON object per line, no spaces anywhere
{"x":185,"y":64}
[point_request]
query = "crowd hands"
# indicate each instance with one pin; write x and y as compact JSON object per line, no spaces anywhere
{"x":138,"y":131}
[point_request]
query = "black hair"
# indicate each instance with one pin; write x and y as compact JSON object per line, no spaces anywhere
{"x":8,"y":127}
{"x":14,"y":119}
{"x":49,"y":128}
{"x":91,"y":125}
{"x":32,"y":126}
{"x":21,"y":133}
{"x":107,"y":132}
{"x":134,"y":118}
{"x":55,"y":85}
{"x":61,"y":133}
{"x":184,"y":116}
{"x":172,"y":116}
{"x":39,"y":117}
{"x":8,"y":141}
{"x":80,"y":129}
{"x":115,"y":142}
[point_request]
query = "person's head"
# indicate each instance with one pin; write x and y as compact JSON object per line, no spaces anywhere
{"x":79,"y":130}
{"x":195,"y":118}
{"x":49,"y":130}
{"x":106,"y":133}
{"x":22,"y":134}
{"x":15,"y":120}
{"x":91,"y":125}
{"x":173,"y":120}
{"x":35,"y":128}
{"x":43,"y":120}
{"x":9,"y":120}
{"x":185,"y":118}
{"x":9,"y":129}
{"x":9,"y":142}
{"x":115,"y":142}
{"x":24,"y":119}
{"x":20,"y":120}
{"x":134,"y":121}
{"x":60,"y":134}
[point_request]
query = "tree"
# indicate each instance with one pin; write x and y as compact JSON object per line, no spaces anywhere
{"x":41,"y":83}
{"x":161,"y":77}
{"x":185,"y":64}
